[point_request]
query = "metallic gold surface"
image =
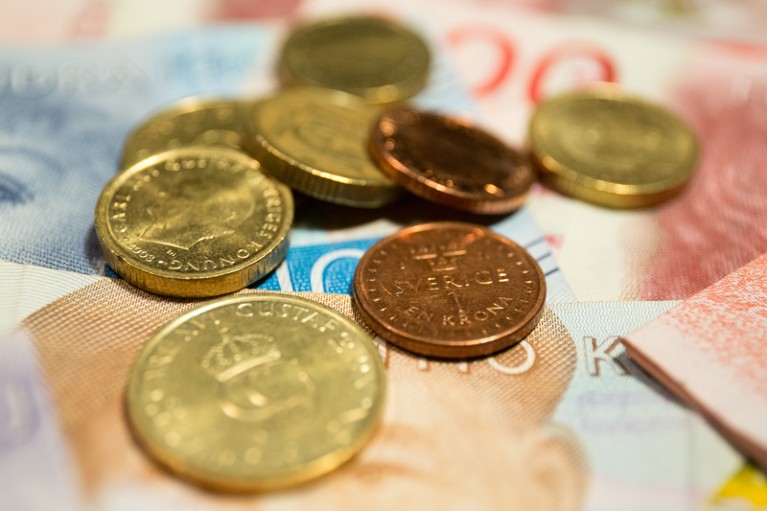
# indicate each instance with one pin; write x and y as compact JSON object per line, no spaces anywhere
{"x":193,"y":222}
{"x":375,"y":58}
{"x":315,"y":141}
{"x":257,"y":392}
{"x":450,"y":162}
{"x":449,"y":289}
{"x":608,"y":148}
{"x":192,"y":121}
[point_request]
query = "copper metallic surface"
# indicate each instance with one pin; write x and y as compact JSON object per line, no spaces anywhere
{"x":450,"y":162}
{"x":449,"y":289}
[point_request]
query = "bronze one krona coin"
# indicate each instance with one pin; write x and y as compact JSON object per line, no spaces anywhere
{"x":450,"y":162}
{"x":449,"y":289}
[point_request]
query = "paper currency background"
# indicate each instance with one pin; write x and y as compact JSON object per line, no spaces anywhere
{"x":602,"y":436}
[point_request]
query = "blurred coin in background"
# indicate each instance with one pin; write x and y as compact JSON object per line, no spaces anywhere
{"x":378,"y":59}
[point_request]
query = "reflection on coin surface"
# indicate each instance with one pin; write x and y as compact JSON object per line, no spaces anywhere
{"x":450,"y":162}
{"x":611,"y":149}
{"x":315,"y":141}
{"x":194,"y":222}
{"x":449,"y":289}
{"x":377,"y":59}
{"x":193,"y":121}
{"x":256,"y":392}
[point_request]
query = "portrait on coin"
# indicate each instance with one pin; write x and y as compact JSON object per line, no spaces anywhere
{"x":180,"y":215}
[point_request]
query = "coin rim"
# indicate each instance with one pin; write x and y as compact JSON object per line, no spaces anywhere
{"x":309,"y":471}
{"x":426,"y":188}
{"x":170,"y":112}
{"x":200,"y":285}
{"x":309,"y":180}
{"x":438,"y":348}
{"x":572,"y":182}
{"x":378,"y":94}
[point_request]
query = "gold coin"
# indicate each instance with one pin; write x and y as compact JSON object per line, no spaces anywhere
{"x":256,"y":392}
{"x":375,"y":58}
{"x":315,"y":141}
{"x":612,"y":149}
{"x":192,"y":222}
{"x":193,"y":121}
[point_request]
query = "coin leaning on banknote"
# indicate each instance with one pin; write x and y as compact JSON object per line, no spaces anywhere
{"x":257,"y":392}
{"x":612,"y":149}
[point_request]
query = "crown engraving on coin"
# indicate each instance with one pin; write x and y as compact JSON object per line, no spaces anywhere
{"x":237,"y":354}
{"x":243,"y":366}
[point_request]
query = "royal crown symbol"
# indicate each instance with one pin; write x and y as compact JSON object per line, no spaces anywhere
{"x":235,"y":354}
{"x":440,"y":258}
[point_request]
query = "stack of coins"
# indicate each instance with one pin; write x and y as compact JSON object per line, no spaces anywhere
{"x":202,"y":206}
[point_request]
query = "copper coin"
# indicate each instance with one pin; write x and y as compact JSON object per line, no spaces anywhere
{"x":450,"y":162}
{"x":449,"y":289}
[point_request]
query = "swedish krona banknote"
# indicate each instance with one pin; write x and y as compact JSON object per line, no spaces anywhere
{"x":560,"y":421}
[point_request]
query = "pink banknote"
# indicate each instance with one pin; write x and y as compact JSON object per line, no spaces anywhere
{"x":711,"y":351}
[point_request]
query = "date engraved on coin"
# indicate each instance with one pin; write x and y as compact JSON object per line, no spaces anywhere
{"x":449,"y":289}
{"x":256,"y":392}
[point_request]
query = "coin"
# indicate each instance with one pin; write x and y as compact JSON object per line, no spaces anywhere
{"x":193,"y":121}
{"x":611,"y":149}
{"x":315,"y":141}
{"x":256,"y":392}
{"x":191,"y":222}
{"x":449,"y":289}
{"x":450,"y":162}
{"x":375,"y":58}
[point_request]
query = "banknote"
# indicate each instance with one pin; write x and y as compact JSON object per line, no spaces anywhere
{"x":711,"y":351}
{"x":514,"y":58}
{"x":38,"y":21}
{"x":742,"y":20}
{"x":561,"y":421}
{"x":49,"y":20}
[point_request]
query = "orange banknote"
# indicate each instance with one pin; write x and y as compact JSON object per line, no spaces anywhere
{"x":561,"y":421}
